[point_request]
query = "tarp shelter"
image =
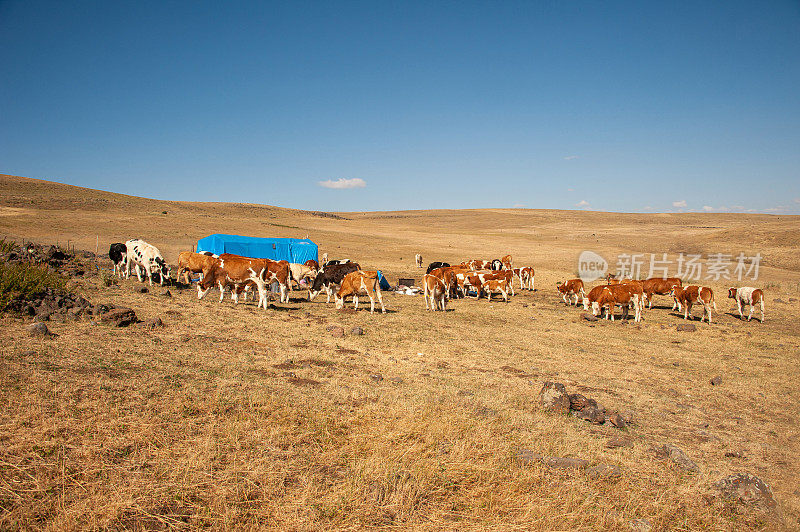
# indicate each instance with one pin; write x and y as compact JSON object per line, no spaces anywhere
{"x":384,"y":284}
{"x":296,"y":250}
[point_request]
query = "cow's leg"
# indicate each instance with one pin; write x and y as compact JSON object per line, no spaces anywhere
{"x":750,"y":316}
{"x":221,"y":291}
{"x":355,"y":301}
{"x":762,"y":310}
{"x":505,"y":295}
{"x":371,"y":296}
{"x":328,"y":291}
{"x":380,"y":300}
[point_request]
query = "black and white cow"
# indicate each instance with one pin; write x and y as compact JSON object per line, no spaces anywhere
{"x":334,"y":262}
{"x":143,"y":255}
{"x":117,"y":253}
{"x":329,"y":277}
{"x":434,"y":265}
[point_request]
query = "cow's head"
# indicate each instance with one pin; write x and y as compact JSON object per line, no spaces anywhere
{"x":561,"y":287}
{"x":339,"y":301}
{"x":595,"y":308}
{"x":731,"y":293}
{"x":164,"y":270}
{"x":675,"y":290}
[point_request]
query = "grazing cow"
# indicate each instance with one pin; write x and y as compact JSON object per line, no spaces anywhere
{"x":495,"y":286}
{"x":627,"y":294}
{"x":692,"y":294}
{"x":145,"y":256}
{"x":434,"y":265}
{"x":747,"y":295}
{"x":477,"y":264}
{"x":507,"y":262}
{"x":435,"y":292}
{"x":572,"y":287}
{"x":592,"y":296}
{"x":418,"y":260}
{"x":117,"y":253}
{"x":662,"y":287}
{"x":357,"y":282}
{"x":189,"y":262}
{"x":311,"y":263}
{"x":330,"y":277}
{"x":241,"y":273}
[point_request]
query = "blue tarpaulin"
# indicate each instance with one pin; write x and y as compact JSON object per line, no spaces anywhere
{"x":291,"y":249}
{"x":383,"y":282}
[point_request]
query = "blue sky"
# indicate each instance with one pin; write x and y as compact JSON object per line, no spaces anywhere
{"x":615,"y":106}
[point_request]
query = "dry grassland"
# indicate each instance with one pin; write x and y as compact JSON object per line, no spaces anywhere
{"x":231,"y":417}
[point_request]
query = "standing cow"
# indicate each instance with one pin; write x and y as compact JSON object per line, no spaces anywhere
{"x":747,"y":295}
{"x":147,"y":257}
{"x":695,"y":294}
{"x":418,"y":260}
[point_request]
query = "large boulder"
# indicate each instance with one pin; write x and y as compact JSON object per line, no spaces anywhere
{"x":121,"y":317}
{"x":554,"y":397}
{"x":747,"y":488}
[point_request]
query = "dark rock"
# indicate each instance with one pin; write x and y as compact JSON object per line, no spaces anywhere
{"x":579,"y":402}
{"x":166,"y":293}
{"x":554,"y":397}
{"x":778,"y":300}
{"x":141,"y":290}
{"x":152,"y":323}
{"x":604,"y":471}
{"x":792,"y":299}
{"x":527,"y":457}
{"x":336,"y":331}
{"x":592,"y":414}
{"x":589,"y":317}
{"x":677,"y":456}
{"x":735,"y":454}
{"x":377,"y":377}
{"x":396,"y":380}
{"x":716,"y":381}
{"x":747,"y":488}
{"x":557,"y":462}
{"x":121,"y":317}
{"x":617,"y":420}
{"x":686,"y":327}
{"x":640,"y":525}
{"x":619,"y":441}
{"x":38,"y":329}
{"x":358,"y":331}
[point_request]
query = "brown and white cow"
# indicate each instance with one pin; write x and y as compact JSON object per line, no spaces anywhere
{"x":448,"y":277}
{"x":190,"y":262}
{"x":692,"y":294}
{"x":627,"y":294}
{"x":234,"y":272}
{"x":747,"y":295}
{"x":525,"y":276}
{"x":330,"y":277}
{"x":500,"y":286}
{"x":572,"y":287}
{"x":418,"y":260}
{"x":435,"y":292}
{"x":358,"y":282}
{"x":477,"y":264}
{"x":507,"y":262}
{"x":311,"y":263}
{"x":661,"y":286}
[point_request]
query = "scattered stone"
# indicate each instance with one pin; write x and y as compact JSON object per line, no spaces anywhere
{"x":589,"y":317}
{"x":396,"y":380}
{"x":747,"y":488}
{"x":554,"y":397}
{"x":617,"y":421}
{"x":579,"y":402}
{"x":336,"y":331}
{"x":38,"y":329}
{"x":686,"y":327}
{"x":358,"y":331}
{"x":166,"y":293}
{"x":121,"y":317}
{"x":677,"y":456}
{"x":142,"y":290}
{"x":604,"y":471}
{"x":735,"y":454}
{"x":152,"y":323}
{"x":377,"y":377}
{"x":640,"y":525}
{"x":525,"y":305}
{"x":592,"y":414}
{"x":557,"y":462}
{"x":792,"y":299}
{"x":628,"y":416}
{"x":716,"y":381}
{"x":619,"y":441}
{"x":527,"y":457}
{"x":778,"y":300}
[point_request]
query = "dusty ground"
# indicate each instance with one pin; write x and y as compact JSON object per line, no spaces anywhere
{"x":234,"y":417}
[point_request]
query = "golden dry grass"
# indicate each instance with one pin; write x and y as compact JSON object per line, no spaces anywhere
{"x":231,"y":417}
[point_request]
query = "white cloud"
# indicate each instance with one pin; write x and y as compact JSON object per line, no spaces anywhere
{"x":582,"y":203}
{"x":355,"y":182}
{"x":648,"y":208}
{"x":570,"y":190}
{"x":679,"y":204}
{"x":571,"y":157}
{"x":708,"y":208}
{"x":797,"y":200}
{"x":776,"y":210}
{"x":518,"y":206}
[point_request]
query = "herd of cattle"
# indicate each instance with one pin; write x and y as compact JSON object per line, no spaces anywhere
{"x":441,"y":282}
{"x":633,"y":293}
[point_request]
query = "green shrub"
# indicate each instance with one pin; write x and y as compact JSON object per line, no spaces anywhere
{"x":24,"y":280}
{"x":6,"y":246}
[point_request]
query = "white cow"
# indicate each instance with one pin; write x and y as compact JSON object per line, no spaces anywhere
{"x":147,"y":257}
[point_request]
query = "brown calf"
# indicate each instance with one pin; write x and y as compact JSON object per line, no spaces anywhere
{"x":747,"y":295}
{"x":662,"y":287}
{"x":435,"y":292}
{"x":692,"y":294}
{"x":496,"y":285}
{"x":572,"y":287}
{"x":357,"y":282}
{"x":190,"y":262}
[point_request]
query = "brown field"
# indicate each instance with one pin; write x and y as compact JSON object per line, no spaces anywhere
{"x":231,"y":417}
